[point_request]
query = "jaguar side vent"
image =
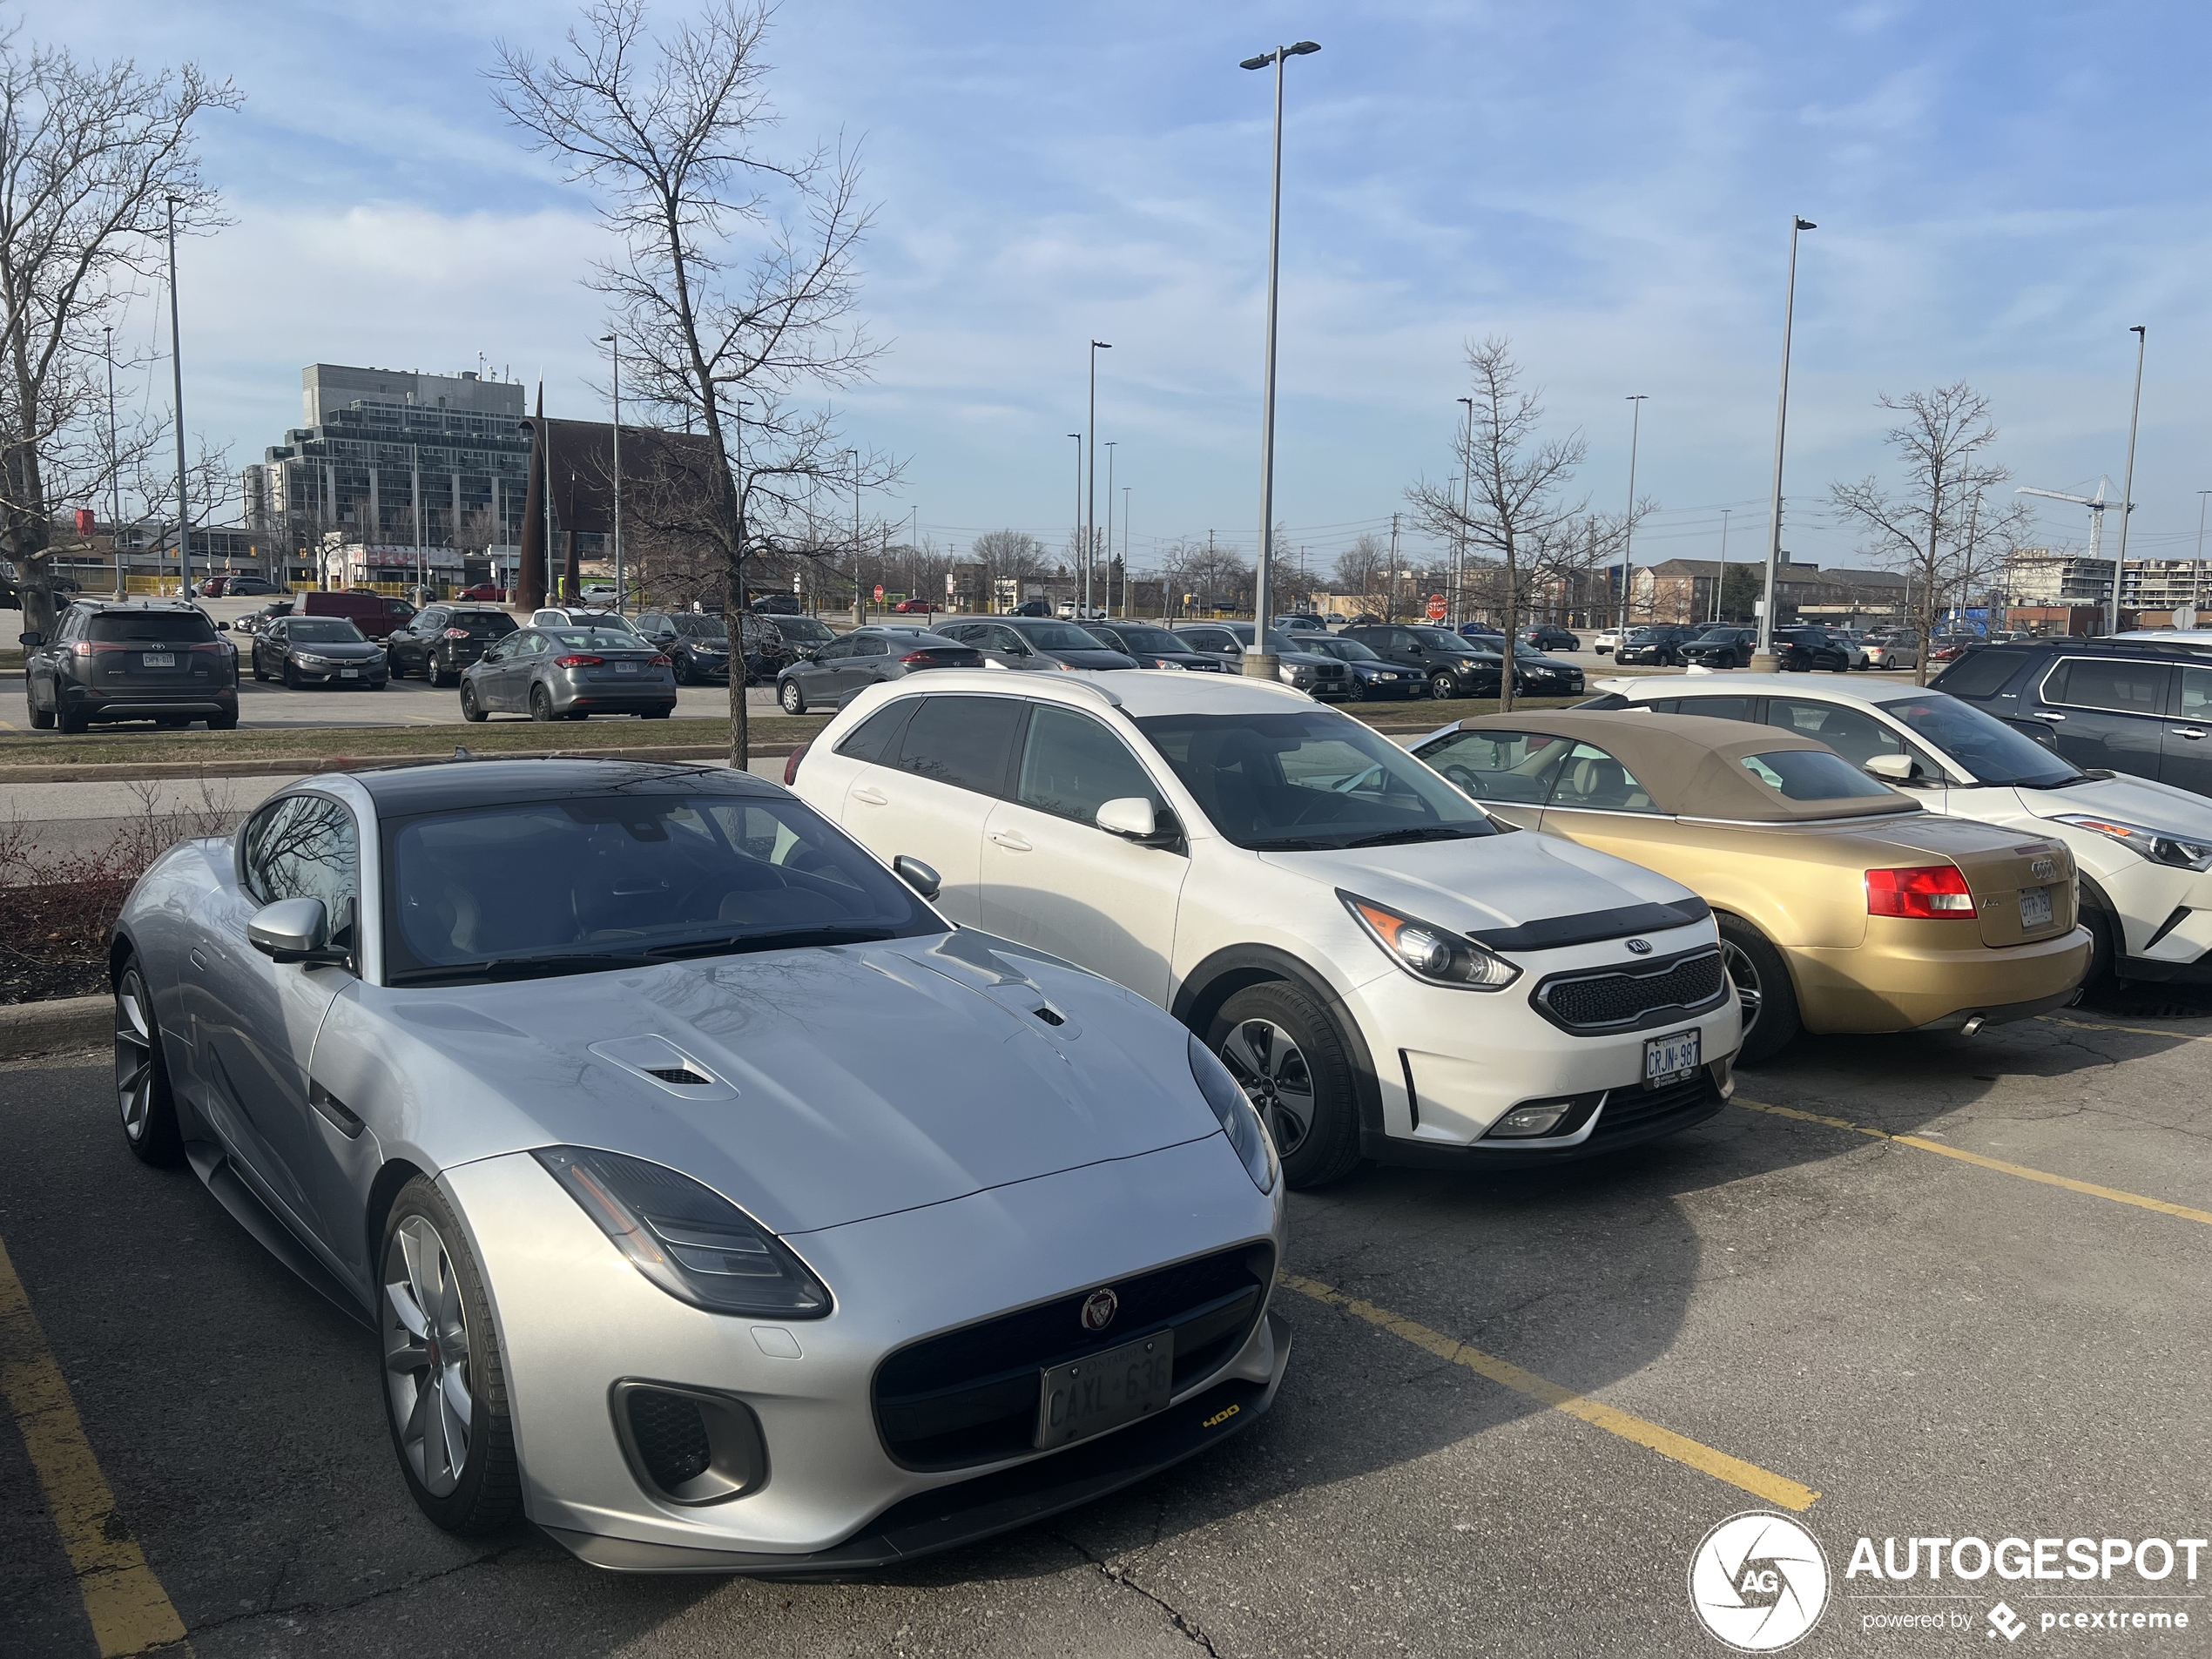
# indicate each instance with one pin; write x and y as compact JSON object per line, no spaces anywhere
{"x":688,"y":1446}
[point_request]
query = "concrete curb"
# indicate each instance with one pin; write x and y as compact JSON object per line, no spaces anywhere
{"x":60,"y":1027}
{"x":296,"y":766}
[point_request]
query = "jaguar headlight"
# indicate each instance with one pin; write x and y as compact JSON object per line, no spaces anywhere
{"x":2159,"y":847}
{"x":1429,"y":953}
{"x":686,"y":1237}
{"x":1239,"y":1121}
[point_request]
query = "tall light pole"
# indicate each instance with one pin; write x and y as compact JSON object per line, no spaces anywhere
{"x":1125,"y":550}
{"x":1091,"y":513}
{"x":1108,"y":605}
{"x":614,"y":356}
{"x":1460,"y":539}
{"x":177,"y":373}
{"x":2127,"y":488}
{"x":115,"y":471}
{"x":860,"y":609}
{"x":1764,"y":659}
{"x":1628,"y":524}
{"x":2196,"y":572}
{"x":1258,"y":661}
{"x":1076,"y":533}
{"x":1723,"y":581}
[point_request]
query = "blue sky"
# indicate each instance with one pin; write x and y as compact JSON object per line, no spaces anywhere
{"x":2001,"y":191}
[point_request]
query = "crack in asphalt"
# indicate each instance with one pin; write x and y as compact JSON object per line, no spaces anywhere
{"x":1188,"y":1627}
{"x":324,"y":1609}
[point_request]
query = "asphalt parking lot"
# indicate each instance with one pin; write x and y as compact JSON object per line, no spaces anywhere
{"x":1905,"y":1287}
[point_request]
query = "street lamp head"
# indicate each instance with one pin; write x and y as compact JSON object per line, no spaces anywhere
{"x":1304,"y":47}
{"x":2138,"y":329}
{"x":1807,"y":224}
{"x":1639,"y":397}
{"x":1260,"y":62}
{"x":1102,"y":345}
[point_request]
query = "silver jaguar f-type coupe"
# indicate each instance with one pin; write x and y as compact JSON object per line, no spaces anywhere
{"x":717,"y":1204}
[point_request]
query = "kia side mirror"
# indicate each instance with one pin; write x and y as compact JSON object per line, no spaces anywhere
{"x":293,"y":930}
{"x":917,"y":876}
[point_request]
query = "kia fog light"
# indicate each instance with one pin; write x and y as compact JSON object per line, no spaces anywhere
{"x":1522,"y":1121}
{"x":1234,"y":1109}
{"x":686,"y":1237}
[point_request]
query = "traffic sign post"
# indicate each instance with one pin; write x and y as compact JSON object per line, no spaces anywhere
{"x":879,"y":593}
{"x":1436,"y":607}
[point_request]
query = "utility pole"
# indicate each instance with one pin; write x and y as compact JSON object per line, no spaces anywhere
{"x":1110,"y":528}
{"x":859,"y":608}
{"x":1090,"y":517}
{"x":1074,"y":535}
{"x":2127,"y":487}
{"x":1460,"y":541}
{"x":1124,"y":610}
{"x":1764,"y":658}
{"x":1390,"y":581}
{"x":1629,"y":525}
{"x":614,"y":353}
{"x":2196,"y":570}
{"x":1723,"y":581}
{"x":115,"y":474}
{"x":177,"y":372}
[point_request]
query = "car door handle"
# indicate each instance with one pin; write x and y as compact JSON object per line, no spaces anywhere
{"x":2047,"y":714}
{"x":198,"y":960}
{"x":871,"y":797}
{"x":1011,"y":841}
{"x":2189,"y":731}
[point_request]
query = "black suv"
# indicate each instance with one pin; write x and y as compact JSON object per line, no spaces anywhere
{"x":2106,"y":705}
{"x":440,"y":642}
{"x":158,"y":662}
{"x":1453,"y":666}
{"x":1658,"y":643}
{"x":1720,"y":648}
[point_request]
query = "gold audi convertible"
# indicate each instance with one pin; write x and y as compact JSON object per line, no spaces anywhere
{"x":1842,"y":905}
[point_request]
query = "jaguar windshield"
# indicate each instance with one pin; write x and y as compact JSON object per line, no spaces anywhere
{"x":599,"y":881}
{"x":1309,"y":780}
{"x":1991,"y":751}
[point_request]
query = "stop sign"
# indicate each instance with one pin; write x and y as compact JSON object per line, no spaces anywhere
{"x":1436,"y":607}
{"x":878,"y":591}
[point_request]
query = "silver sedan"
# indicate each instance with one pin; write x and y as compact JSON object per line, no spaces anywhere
{"x":567,"y":672}
{"x":718,"y":1205}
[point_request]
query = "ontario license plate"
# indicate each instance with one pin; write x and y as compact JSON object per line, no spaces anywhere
{"x":625,"y":668}
{"x":1087,"y":1396}
{"x":2035,"y":907}
{"x":349,"y":673}
{"x":158,"y":660}
{"x":1669,"y":1059}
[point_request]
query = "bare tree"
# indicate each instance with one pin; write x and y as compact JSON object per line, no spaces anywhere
{"x":1512,"y":506}
{"x":1360,"y":569}
{"x":90,"y":155}
{"x":1940,"y":441}
{"x":735,"y":285}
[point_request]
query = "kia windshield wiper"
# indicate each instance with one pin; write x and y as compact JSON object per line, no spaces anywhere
{"x":504,"y":967}
{"x":778,"y":938}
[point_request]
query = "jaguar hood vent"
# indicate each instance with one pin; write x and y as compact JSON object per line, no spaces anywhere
{"x":663,"y":1064}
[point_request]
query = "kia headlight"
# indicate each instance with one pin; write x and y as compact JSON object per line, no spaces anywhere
{"x":686,"y":1237}
{"x":1429,"y":953}
{"x":2159,"y":847}
{"x":1239,"y":1119}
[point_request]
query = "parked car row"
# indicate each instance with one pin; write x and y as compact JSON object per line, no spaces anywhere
{"x":730,"y":1071}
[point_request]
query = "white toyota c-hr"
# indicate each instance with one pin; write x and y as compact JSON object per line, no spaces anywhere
{"x":1389,"y":972}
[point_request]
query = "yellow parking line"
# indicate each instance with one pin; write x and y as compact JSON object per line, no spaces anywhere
{"x":1759,"y":1482}
{"x":2021,"y":1171}
{"x":2138,"y":1030}
{"x":129,"y":1610}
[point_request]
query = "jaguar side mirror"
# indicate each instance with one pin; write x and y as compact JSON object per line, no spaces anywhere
{"x":917,"y":876}
{"x":293,"y":930}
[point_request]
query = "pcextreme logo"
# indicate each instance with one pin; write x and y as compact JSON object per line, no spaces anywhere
{"x":1759,"y":1583}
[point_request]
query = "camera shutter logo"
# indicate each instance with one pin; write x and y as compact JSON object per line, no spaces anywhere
{"x":1759,"y":1583}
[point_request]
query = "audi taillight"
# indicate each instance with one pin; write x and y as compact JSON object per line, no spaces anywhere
{"x":1930,"y":892}
{"x":577,"y":662}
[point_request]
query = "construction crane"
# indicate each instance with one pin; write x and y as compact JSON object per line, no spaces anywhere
{"x":2096,"y":504}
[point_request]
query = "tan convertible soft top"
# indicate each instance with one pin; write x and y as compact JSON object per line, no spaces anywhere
{"x":1691,"y":767}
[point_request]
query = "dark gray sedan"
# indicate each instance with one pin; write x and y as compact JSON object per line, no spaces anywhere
{"x":319,"y":650}
{"x":1035,"y":642}
{"x":567,"y":673}
{"x":862,"y":658}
